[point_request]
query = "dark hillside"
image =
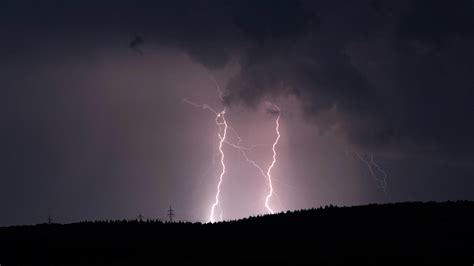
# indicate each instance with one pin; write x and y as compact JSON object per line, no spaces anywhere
{"x":391,"y":234}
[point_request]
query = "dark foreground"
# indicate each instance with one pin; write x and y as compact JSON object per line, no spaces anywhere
{"x":393,"y":234}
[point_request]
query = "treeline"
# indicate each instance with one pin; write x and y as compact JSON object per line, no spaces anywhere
{"x":323,"y":210}
{"x":386,"y":234}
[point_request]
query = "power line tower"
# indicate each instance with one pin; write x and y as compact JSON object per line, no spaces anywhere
{"x":170,"y":214}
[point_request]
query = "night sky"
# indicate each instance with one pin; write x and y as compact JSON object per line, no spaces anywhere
{"x":94,"y":126}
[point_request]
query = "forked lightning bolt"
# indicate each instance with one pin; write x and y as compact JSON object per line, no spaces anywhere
{"x":222,"y":134}
{"x":266,"y":175}
{"x":222,"y":123}
{"x":243,"y":150}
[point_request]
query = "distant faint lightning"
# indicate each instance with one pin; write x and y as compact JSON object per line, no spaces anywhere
{"x":373,"y":167}
{"x":382,"y":181}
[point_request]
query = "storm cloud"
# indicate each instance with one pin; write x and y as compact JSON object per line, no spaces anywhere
{"x":78,"y":103}
{"x":398,"y":74}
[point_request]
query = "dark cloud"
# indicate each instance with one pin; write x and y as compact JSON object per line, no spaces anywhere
{"x":278,"y":19}
{"x":311,"y":61}
{"x":398,"y":73}
{"x":136,"y":44}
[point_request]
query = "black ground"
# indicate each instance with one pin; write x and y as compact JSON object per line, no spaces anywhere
{"x":391,"y":234}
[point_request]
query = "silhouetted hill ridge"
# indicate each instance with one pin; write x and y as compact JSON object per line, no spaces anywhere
{"x":426,"y":233}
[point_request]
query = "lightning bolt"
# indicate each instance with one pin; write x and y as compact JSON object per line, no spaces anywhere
{"x":267,"y":174}
{"x":243,"y":151}
{"x":222,"y":127}
{"x":373,"y":167}
{"x":382,"y":181}
{"x":221,"y":122}
{"x":269,"y":177}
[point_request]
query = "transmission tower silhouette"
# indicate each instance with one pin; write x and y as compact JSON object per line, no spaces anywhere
{"x":170,"y":214}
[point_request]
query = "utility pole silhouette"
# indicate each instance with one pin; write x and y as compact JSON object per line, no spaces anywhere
{"x":140,"y":217}
{"x":171,"y":214}
{"x":49,"y":219}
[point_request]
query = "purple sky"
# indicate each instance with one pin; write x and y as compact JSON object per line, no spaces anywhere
{"x":93,"y":128}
